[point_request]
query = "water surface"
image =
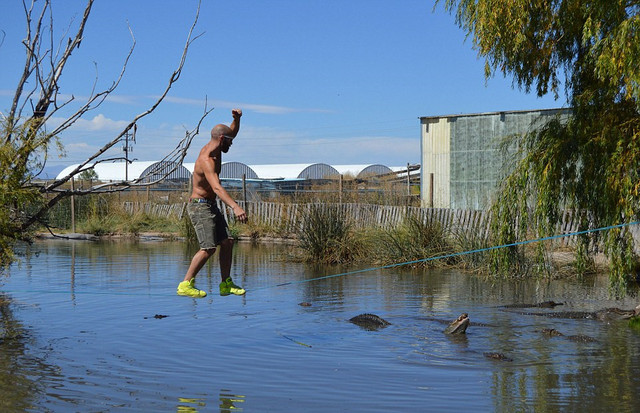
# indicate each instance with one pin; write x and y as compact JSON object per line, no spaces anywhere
{"x":79,"y":333}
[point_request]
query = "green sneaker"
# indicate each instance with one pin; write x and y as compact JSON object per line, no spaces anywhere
{"x":228,"y":287}
{"x":188,"y":288}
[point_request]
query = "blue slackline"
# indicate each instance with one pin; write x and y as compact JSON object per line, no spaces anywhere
{"x":457,"y":254}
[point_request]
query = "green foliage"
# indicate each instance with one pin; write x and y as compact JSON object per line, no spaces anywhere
{"x":417,"y":240}
{"x":325,"y":234}
{"x":20,"y":148}
{"x":465,"y":241}
{"x":589,"y":163}
{"x":326,"y":237}
{"x":118,"y":222}
{"x":88,"y":175}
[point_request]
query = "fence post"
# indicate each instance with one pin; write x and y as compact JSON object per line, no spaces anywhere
{"x":408,"y":181}
{"x":73,"y":206}
{"x":431,"y":190}
{"x":244,"y":189}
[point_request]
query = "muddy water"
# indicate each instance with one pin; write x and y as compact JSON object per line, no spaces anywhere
{"x":79,"y":332}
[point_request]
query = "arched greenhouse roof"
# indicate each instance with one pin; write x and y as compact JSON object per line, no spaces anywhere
{"x":237,"y":170}
{"x":376,"y":169}
{"x":318,"y":171}
{"x":169,"y":170}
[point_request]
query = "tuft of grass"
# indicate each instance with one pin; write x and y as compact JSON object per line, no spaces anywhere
{"x":465,"y":241}
{"x":122,"y":223}
{"x":415,"y":240}
{"x":326,"y":235}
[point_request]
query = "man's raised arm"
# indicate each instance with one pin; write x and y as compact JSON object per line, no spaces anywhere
{"x":235,"y":124}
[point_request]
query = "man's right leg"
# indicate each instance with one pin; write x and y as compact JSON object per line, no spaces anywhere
{"x":187,"y":286}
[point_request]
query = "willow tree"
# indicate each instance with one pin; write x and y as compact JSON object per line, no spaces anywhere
{"x":589,"y":163}
{"x":26,"y":141}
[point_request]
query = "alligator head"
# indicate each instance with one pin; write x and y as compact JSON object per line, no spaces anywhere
{"x":608,"y":314}
{"x":459,"y":325}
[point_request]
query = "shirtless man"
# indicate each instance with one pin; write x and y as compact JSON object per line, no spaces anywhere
{"x":208,"y":221}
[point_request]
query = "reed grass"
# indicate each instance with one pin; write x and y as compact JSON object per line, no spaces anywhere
{"x":327,"y":236}
{"x":414,"y":240}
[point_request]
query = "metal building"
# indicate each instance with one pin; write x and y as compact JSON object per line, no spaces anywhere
{"x":237,"y":170}
{"x":461,"y":160}
{"x":318,"y":171}
{"x":170,"y":172}
{"x":374,"y":170}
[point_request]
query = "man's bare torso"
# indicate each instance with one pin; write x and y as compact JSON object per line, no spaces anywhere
{"x":209,"y":159}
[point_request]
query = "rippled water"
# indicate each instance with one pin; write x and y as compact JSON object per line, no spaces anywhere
{"x":79,"y":333}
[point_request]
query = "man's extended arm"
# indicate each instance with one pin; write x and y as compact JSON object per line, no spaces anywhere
{"x":235,"y":124}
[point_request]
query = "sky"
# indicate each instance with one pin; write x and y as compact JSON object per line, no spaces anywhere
{"x":331,"y":81}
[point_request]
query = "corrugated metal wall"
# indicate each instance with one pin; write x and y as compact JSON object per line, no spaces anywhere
{"x":436,"y":161}
{"x":463,"y":154}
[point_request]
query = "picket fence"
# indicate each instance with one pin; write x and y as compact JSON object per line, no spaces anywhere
{"x":287,"y":216}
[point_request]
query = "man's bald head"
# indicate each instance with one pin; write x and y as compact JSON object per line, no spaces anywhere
{"x":220,"y":129}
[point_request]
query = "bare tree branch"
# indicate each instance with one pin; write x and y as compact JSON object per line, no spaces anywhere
{"x":42,"y":111}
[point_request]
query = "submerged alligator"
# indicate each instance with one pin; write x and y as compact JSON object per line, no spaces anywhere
{"x":544,"y":304}
{"x":606,"y":314}
{"x":369,"y":321}
{"x":373,"y":322}
{"x":497,"y":356}
{"x":581,"y":338}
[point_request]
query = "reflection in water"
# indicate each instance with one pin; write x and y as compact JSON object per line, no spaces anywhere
{"x":189,"y":404}
{"x":92,"y":305}
{"x":19,"y":368}
{"x":229,"y":402}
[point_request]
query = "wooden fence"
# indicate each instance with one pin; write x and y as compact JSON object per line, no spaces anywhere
{"x":287,"y":216}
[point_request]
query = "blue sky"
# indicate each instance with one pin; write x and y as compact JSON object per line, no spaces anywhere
{"x":339,"y":82}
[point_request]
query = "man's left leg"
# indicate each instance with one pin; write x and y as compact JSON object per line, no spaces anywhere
{"x":227,"y":286}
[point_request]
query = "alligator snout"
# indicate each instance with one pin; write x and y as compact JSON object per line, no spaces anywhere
{"x":459,"y":325}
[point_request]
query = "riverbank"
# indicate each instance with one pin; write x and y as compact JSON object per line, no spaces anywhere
{"x":155,"y":236}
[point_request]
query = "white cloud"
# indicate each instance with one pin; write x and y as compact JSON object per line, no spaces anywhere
{"x":77,"y":147}
{"x":100,"y":123}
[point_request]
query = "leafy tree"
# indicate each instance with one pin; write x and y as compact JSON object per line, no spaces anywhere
{"x":589,"y":163}
{"x":88,"y":175}
{"x":26,"y":142}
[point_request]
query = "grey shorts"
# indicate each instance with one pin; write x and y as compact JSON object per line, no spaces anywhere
{"x":209,"y":223}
